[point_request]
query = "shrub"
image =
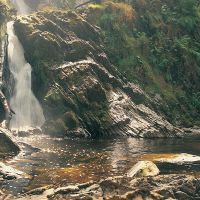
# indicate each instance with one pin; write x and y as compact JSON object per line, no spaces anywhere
{"x":196,"y":100}
{"x":123,"y":11}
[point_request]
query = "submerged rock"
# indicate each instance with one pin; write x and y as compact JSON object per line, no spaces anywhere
{"x":143,"y":168}
{"x":28,"y":132}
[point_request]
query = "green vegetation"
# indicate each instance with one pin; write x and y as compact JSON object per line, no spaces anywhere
{"x":156,"y":43}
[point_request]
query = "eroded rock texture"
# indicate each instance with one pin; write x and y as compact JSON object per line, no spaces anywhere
{"x":81,"y":91}
{"x":117,"y":188}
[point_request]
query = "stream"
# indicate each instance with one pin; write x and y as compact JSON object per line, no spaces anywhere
{"x":59,"y":162}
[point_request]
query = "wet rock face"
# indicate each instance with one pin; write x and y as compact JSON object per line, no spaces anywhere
{"x":3,"y":12}
{"x":82,"y":92}
{"x":2,"y":112}
{"x":7,"y":146}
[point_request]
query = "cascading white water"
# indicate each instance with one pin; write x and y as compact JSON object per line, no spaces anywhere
{"x":21,"y":7}
{"x":28,"y":112}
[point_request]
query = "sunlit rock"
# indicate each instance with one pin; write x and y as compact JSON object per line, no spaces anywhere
{"x":9,"y":172}
{"x":182,"y":158}
{"x":38,"y":191}
{"x":143,"y":168}
{"x":66,"y":190}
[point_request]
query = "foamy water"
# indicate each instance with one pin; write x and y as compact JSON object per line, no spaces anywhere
{"x":21,"y":7}
{"x":28,"y":112}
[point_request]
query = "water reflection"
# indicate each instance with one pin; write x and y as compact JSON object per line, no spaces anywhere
{"x":60,"y":162}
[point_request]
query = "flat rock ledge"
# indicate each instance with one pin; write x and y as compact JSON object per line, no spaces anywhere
{"x":180,"y":159}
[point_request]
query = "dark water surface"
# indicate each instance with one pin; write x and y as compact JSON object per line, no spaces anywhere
{"x":60,"y":162}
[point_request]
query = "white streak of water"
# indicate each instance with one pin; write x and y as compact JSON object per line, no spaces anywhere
{"x":27,"y":108}
{"x":21,"y":7}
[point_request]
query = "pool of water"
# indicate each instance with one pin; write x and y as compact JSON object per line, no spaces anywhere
{"x":59,"y":162}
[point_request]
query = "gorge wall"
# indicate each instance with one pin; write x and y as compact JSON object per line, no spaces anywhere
{"x":81,"y":91}
{"x":5,"y":13}
{"x":83,"y":94}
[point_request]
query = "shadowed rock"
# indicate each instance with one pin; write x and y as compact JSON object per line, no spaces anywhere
{"x":7,"y":146}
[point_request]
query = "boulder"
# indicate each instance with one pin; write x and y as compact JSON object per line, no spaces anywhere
{"x":142,"y":169}
{"x":7,"y":146}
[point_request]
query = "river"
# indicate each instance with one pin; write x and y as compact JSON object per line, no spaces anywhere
{"x":59,"y":162}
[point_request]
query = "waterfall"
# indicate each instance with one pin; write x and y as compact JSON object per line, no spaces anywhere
{"x":28,"y":112}
{"x":21,"y":7}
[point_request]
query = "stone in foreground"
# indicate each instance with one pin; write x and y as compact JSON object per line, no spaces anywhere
{"x":143,"y":169}
{"x":121,"y":188}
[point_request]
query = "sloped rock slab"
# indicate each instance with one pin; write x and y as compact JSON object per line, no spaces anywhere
{"x":7,"y":146}
{"x":9,"y":173}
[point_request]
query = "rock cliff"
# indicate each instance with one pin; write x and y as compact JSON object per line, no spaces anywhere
{"x":81,"y":91}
